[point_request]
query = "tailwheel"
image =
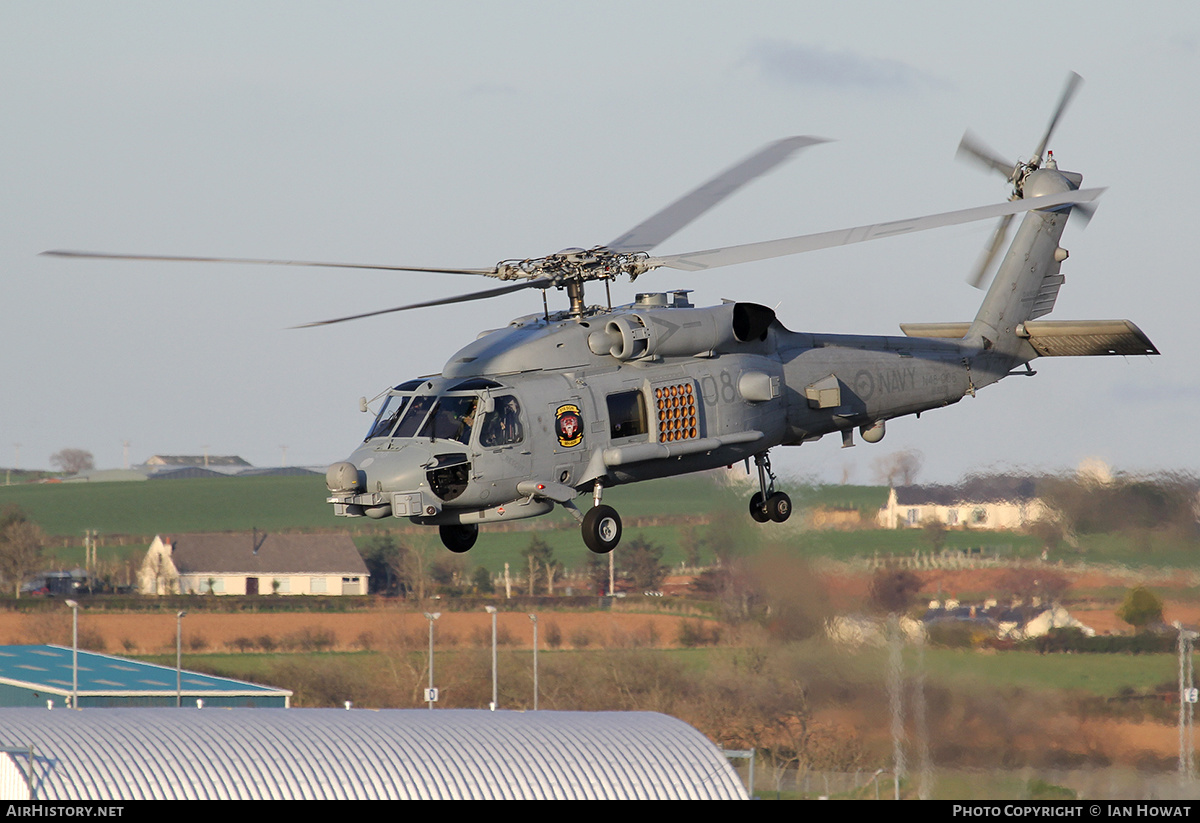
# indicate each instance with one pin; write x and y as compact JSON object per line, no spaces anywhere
{"x":458,"y":539}
{"x":602,"y":529}
{"x":779,"y":507}
{"x":758,"y":508}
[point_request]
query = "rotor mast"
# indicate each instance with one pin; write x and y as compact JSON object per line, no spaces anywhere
{"x":570,"y":268}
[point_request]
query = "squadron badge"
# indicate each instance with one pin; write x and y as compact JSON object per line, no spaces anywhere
{"x":568,"y":425}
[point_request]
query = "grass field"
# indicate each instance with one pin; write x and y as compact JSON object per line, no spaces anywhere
{"x":144,"y":509}
{"x":1100,"y":675}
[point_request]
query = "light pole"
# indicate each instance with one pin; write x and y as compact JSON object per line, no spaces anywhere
{"x":179,"y":658}
{"x":429,"y":693}
{"x":533,"y":617}
{"x":492,"y":611}
{"x":74,"y":653}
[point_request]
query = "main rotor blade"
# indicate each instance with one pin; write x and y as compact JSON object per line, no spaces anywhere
{"x":98,"y":255}
{"x":974,"y":150}
{"x":538,"y":283}
{"x":658,"y":227}
{"x":730,"y":255}
{"x":984,"y":266}
{"x":1073,"y":81}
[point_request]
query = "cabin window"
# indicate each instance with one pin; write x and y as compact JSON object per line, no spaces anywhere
{"x":503,"y":426}
{"x":626,"y":414}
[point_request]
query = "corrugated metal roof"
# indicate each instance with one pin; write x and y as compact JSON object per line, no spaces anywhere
{"x":294,"y":754}
{"x":49,"y":670}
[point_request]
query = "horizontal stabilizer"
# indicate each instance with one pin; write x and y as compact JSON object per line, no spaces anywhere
{"x":1058,"y":338}
{"x":954,"y":330}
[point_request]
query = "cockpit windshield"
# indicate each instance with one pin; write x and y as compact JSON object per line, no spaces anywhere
{"x":417,"y":412}
{"x":392,"y":410}
{"x":452,"y":419}
{"x":429,"y":416}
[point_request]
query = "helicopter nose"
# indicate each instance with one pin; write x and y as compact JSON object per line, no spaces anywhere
{"x":383,"y":483}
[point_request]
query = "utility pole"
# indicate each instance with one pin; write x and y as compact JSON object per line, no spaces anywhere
{"x":1187,"y":700}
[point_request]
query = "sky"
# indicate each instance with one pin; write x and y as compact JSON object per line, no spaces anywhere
{"x":459,"y":134}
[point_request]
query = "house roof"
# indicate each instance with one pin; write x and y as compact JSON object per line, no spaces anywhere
{"x":994,"y":489}
{"x":265,"y":553}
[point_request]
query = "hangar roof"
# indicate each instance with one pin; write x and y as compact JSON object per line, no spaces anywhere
{"x":291,"y":754}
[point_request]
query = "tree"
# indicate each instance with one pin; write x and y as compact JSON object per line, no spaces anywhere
{"x":597,"y":572}
{"x":898,"y":468}
{"x":73,"y":461}
{"x":1141,"y":609}
{"x":21,"y":542}
{"x":481,"y":581}
{"x":540,"y":558}
{"x":642,"y":563}
{"x":935,"y":533}
{"x":382,"y":554}
{"x":892,"y":590}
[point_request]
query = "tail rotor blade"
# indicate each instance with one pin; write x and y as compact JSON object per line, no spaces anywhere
{"x":974,"y":150}
{"x":1073,"y":81}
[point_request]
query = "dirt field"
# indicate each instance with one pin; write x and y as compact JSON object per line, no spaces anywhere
{"x":152,"y":633}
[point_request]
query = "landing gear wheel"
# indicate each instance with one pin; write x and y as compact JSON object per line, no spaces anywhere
{"x":758,"y":509}
{"x":779,"y":507}
{"x":458,"y":539}
{"x":602,"y":529}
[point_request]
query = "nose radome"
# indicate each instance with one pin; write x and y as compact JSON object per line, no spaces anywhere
{"x":342,"y":477}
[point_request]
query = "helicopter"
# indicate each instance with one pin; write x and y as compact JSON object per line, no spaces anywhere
{"x":561,"y":403}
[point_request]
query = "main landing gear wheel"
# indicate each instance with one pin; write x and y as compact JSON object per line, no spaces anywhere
{"x":758,"y":509}
{"x":602,"y":529}
{"x":768,"y":504}
{"x":458,"y":539}
{"x":779,"y":507}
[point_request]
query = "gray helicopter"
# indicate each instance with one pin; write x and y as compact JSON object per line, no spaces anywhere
{"x":562,"y":403}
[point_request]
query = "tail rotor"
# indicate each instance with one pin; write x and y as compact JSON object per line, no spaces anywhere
{"x":972,"y":149}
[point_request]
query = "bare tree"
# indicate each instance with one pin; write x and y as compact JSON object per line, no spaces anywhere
{"x":73,"y":461}
{"x":21,"y":543}
{"x":898,"y":468}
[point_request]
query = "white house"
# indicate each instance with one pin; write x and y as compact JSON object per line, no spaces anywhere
{"x":253,"y":563}
{"x":1000,"y":502}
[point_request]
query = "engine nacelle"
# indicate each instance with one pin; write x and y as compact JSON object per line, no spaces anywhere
{"x":680,"y":332}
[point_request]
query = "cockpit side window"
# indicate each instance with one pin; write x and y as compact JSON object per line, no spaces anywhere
{"x":393,"y":409}
{"x":452,"y":419}
{"x":503,"y":426}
